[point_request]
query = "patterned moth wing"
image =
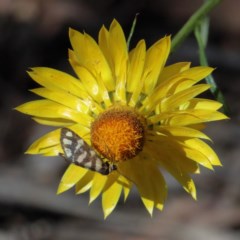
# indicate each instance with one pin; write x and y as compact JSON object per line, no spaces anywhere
{"x":77,"y":151}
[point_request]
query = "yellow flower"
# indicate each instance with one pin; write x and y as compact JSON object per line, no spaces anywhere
{"x":135,"y":112}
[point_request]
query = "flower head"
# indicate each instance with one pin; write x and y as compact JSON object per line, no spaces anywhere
{"x":133,"y":110}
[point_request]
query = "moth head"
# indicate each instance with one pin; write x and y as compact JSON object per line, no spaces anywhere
{"x":107,"y":168}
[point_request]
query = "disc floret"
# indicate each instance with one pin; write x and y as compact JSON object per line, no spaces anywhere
{"x":118,"y":133}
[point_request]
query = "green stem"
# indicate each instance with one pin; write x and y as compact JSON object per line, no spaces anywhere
{"x":132,"y":30}
{"x":191,"y":23}
{"x":201,"y":32}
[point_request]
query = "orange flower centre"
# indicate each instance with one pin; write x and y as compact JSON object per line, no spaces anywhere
{"x":118,"y":133}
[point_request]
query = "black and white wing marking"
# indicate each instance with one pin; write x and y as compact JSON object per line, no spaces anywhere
{"x":77,"y":151}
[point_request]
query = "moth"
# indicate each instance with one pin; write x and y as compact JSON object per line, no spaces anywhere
{"x":77,"y":151}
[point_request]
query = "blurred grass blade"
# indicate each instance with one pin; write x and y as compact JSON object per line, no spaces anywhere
{"x":189,"y":26}
{"x":204,"y":29}
{"x":132,"y":30}
{"x":201,"y":34}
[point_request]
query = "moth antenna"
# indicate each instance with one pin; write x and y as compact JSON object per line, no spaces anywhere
{"x":63,"y":156}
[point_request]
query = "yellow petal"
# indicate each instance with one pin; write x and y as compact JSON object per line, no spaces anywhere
{"x":178,"y":173}
{"x":53,"y":122}
{"x":51,"y":151}
{"x":98,"y":184}
{"x":175,"y":99}
{"x":172,"y":151}
{"x":205,"y":149}
{"x":161,"y":92}
{"x":187,"y":164}
{"x":63,"y":98}
{"x":57,"y":80}
{"x":181,"y":97}
{"x":135,"y":80}
{"x":126,"y":186}
{"x":173,"y":148}
{"x":178,"y":131}
{"x":52,"y":139}
{"x":85,"y":183}
{"x":118,"y":47}
{"x":48,"y":140}
{"x":93,"y":84}
{"x":156,"y":58}
{"x":126,"y":191}
{"x":196,"y":73}
{"x":181,"y":85}
{"x":187,"y":117}
{"x":200,"y":103}
{"x":111,"y":194}
{"x":148,"y":179}
{"x":136,"y":65}
{"x":183,"y":178}
{"x":90,"y":56}
{"x":119,"y":55}
{"x":103,"y":41}
{"x":90,"y":83}
{"x":148,"y":203}
{"x":184,"y":79}
{"x":196,"y":116}
{"x":105,"y":94}
{"x":50,"y":109}
{"x":197,"y":156}
{"x":173,"y":69}
{"x":72,"y":175}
